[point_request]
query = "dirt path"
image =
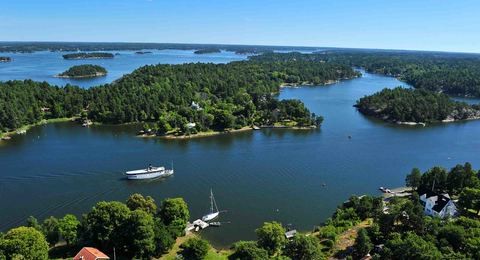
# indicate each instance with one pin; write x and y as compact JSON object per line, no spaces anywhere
{"x":347,"y":239}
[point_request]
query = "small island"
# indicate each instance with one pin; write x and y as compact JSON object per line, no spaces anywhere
{"x":83,"y":71}
{"x":88,"y":55}
{"x":143,"y":52}
{"x":415,"y":106}
{"x":5,"y":59}
{"x":207,"y":50}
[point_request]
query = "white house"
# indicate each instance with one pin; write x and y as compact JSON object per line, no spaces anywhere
{"x":438,"y":205}
{"x":195,"y":106}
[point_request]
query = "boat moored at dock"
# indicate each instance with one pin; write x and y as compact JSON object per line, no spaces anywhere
{"x":214,"y":213}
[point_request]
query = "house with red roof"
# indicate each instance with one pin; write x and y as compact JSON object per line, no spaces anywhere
{"x":90,"y":253}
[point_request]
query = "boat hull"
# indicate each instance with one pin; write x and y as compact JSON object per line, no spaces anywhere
{"x":149,"y":175}
{"x":210,"y":216}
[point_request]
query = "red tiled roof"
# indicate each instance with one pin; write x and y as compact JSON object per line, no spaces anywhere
{"x":90,"y":253}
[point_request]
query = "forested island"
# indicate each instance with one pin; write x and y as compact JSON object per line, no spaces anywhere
{"x":208,"y":50}
{"x":5,"y":59}
{"x":396,"y":227}
{"x":408,"y":106}
{"x":84,"y":71}
{"x":88,"y":55}
{"x":177,"y":99}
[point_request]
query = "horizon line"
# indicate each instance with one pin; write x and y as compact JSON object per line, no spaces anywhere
{"x":249,"y":45}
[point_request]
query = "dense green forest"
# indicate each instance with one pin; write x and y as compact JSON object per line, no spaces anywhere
{"x":84,"y":71}
{"x":450,"y":73}
{"x":5,"y":59}
{"x":136,"y":229}
{"x":208,"y":50}
{"x":415,"y":105}
{"x":88,"y":55}
{"x":385,"y":228}
{"x":27,"y":102}
{"x":226,"y":96}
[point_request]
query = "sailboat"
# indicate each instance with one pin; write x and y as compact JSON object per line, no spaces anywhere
{"x":213,"y":209}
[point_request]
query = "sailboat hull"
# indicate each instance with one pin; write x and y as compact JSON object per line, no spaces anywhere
{"x":210,"y":216}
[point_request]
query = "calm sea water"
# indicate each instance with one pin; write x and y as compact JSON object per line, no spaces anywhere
{"x":256,"y":176}
{"x":43,"y":66}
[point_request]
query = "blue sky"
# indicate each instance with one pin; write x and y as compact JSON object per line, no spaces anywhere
{"x":446,"y":25}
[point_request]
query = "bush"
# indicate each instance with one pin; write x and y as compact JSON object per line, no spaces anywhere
{"x":194,"y":249}
{"x":302,"y":247}
{"x":248,"y":250}
{"x":271,"y":237}
{"x":24,"y":243}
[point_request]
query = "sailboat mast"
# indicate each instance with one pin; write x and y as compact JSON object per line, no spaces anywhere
{"x":215,"y":203}
{"x":211,"y":201}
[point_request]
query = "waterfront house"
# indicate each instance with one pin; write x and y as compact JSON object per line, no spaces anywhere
{"x":438,"y":205}
{"x":90,"y":253}
{"x":290,"y":234}
{"x":191,"y":125}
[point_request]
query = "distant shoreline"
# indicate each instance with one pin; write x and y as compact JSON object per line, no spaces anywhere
{"x":89,"y":58}
{"x":306,"y":83}
{"x":7,"y":135}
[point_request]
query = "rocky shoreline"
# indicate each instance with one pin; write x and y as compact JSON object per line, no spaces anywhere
{"x":98,"y":74}
{"x":455,"y":116}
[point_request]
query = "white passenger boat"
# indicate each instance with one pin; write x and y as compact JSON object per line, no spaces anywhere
{"x":213,"y":209}
{"x":150,"y":172}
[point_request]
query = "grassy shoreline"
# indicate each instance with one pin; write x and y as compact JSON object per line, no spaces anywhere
{"x":213,"y":253}
{"x":172,"y":136}
{"x":169,"y":136}
{"x":42,"y":122}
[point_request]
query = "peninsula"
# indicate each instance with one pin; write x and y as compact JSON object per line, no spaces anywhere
{"x":88,"y":55}
{"x":185,"y":99}
{"x":83,"y":71}
{"x":454,"y":74}
{"x":415,"y":106}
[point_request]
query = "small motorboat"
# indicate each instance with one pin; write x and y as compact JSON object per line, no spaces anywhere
{"x":215,"y":224}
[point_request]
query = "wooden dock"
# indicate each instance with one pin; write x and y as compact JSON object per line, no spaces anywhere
{"x":196,"y":225}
